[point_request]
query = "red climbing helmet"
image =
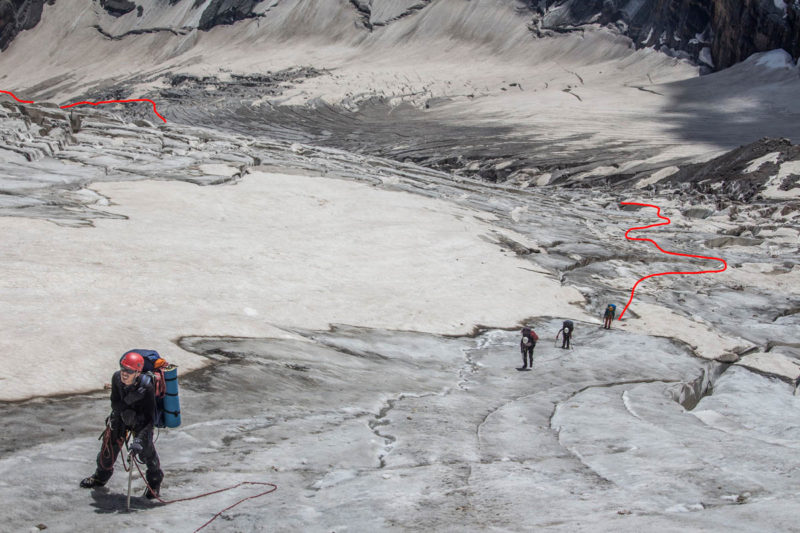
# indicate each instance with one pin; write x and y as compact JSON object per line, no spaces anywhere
{"x":133,"y":361}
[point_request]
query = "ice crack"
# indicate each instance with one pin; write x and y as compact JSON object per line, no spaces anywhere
{"x":382,"y":420}
{"x":183,"y":30}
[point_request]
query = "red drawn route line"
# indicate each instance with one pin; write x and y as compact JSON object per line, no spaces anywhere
{"x":118,"y":102}
{"x":667,"y":223}
{"x":17,"y":99}
{"x":93,"y":103}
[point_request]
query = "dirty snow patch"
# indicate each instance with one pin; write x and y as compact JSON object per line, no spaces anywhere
{"x":771,"y":188}
{"x":755,"y":164}
{"x":657,"y":176}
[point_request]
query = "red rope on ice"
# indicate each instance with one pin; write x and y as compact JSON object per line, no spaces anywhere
{"x":117,"y":102}
{"x":273,"y":489}
{"x":668,"y":222}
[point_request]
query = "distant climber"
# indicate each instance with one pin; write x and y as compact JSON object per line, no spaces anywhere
{"x":609,"y":315}
{"x":133,"y":407}
{"x":526,"y":346}
{"x":566,"y":331}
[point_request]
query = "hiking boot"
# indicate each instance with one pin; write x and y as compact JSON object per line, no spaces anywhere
{"x":91,"y":482}
{"x":151,"y":495}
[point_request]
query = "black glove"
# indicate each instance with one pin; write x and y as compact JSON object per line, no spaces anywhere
{"x":129,"y":417}
{"x":136,"y":448}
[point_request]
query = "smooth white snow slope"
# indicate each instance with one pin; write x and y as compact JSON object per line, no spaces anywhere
{"x":268,"y":252}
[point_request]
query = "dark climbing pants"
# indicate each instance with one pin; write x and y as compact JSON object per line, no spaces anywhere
{"x":109,"y":451}
{"x":607,"y":322}
{"x":527,"y":354}
{"x":565,"y":341}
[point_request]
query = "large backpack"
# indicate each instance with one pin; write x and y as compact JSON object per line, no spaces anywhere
{"x":528,"y":332}
{"x":164,"y":377}
{"x":568,"y":325}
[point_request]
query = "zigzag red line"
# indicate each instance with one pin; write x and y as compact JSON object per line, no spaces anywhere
{"x":668,"y":222}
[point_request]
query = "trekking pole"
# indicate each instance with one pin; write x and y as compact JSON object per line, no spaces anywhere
{"x":130,"y":478}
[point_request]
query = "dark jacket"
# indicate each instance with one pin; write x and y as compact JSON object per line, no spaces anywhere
{"x":135,"y":403}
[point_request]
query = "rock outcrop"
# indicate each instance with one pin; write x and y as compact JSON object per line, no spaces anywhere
{"x":118,"y":8}
{"x":19,"y":15}
{"x":16,"y":15}
{"x":220,"y":12}
{"x":744,"y":27}
{"x":743,"y":174}
{"x":717,"y":33}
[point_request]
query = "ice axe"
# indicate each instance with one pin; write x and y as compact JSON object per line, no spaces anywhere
{"x":130,"y":479}
{"x":571,"y":342}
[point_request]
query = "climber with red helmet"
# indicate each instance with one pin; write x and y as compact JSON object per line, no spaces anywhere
{"x":133,"y":406}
